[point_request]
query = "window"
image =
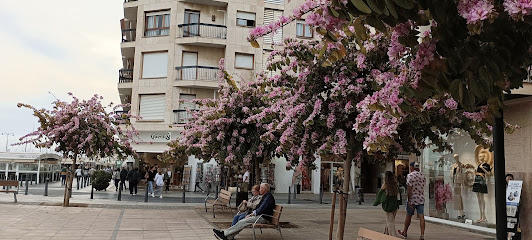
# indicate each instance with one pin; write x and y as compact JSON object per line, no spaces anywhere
{"x":157,"y":24}
{"x":182,"y":116}
{"x":304,"y":30}
{"x":152,"y":107}
{"x":243,"y":60}
{"x":191,"y":27}
{"x":245,"y":19}
{"x":154,"y":65}
{"x":270,"y":16}
{"x":279,"y":2}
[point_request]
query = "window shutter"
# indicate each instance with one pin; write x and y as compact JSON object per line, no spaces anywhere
{"x":270,"y":16}
{"x":243,"y":60}
{"x":152,"y":107}
{"x":187,"y":105}
{"x":245,"y":15}
{"x":154,"y":65}
{"x":279,"y":2}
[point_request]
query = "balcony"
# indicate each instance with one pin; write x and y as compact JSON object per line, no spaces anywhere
{"x":129,"y":35}
{"x":197,"y":76}
{"x":125,"y":75}
{"x":218,"y":3}
{"x":202,"y":34}
{"x":182,"y":116}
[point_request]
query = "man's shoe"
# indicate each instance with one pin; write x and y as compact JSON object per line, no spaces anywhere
{"x":219,"y":234}
{"x":402,"y":234}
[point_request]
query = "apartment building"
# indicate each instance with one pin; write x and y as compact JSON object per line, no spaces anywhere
{"x":171,"y":51}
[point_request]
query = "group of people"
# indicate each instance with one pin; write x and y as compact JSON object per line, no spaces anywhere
{"x":82,"y":174}
{"x":258,"y":209}
{"x":155,"y":179}
{"x":133,"y":177}
{"x":389,"y":197}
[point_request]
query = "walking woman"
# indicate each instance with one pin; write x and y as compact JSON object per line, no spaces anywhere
{"x":116,"y":177}
{"x":388,"y":197}
{"x":159,"y":182}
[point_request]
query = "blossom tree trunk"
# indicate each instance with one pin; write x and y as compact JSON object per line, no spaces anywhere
{"x":345,"y":188}
{"x":68,"y":185}
{"x":257,"y":172}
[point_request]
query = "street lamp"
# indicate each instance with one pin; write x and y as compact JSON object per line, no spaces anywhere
{"x":7,"y":138}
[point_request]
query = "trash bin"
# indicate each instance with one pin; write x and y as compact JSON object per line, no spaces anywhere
{"x":360,"y":195}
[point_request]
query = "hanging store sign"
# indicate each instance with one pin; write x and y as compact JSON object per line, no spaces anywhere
{"x":513,"y":196}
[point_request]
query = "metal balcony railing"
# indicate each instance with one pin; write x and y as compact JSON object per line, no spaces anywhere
{"x":202,"y":30}
{"x":197,"y":73}
{"x":129,"y":35}
{"x":182,"y":116}
{"x":125,"y":1}
{"x":125,"y":75}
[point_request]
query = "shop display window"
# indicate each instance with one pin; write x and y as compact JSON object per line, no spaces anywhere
{"x":460,"y":184}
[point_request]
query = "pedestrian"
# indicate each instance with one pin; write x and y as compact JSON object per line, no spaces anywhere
{"x":388,"y":196}
{"x":134,"y":178}
{"x":415,"y":182}
{"x":150,"y":176}
{"x":116,"y":177}
{"x":245,"y":181}
{"x":63,"y":175}
{"x":91,"y":173}
{"x":159,"y":182}
{"x":85,"y":175}
{"x":79,"y":174}
{"x":123,"y":177}
{"x":167,"y":179}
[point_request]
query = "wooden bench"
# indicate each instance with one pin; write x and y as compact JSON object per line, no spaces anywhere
{"x":372,"y":235}
{"x":274,"y":223}
{"x":223,"y":201}
{"x":7,"y":184}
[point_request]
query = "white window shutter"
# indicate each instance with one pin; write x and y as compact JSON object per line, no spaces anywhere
{"x":244,"y":60}
{"x":152,"y":107}
{"x":187,"y":105}
{"x":270,"y":16}
{"x":154,"y":65}
{"x":245,"y":15}
{"x":279,"y":2}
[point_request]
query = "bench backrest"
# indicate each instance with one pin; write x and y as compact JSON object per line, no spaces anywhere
{"x":277,"y":214}
{"x":13,"y":183}
{"x":372,"y":235}
{"x":224,"y":197}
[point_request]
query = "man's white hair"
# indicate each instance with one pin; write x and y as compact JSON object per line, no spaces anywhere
{"x":265,"y":186}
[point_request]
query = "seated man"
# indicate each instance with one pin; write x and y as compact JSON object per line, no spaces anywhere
{"x":266,"y":206}
{"x":249,"y":206}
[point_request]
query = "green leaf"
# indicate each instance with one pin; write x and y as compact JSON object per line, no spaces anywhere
{"x":255,"y":44}
{"x":374,"y":6}
{"x":376,"y":23}
{"x":360,"y":30}
{"x":475,"y":88}
{"x":406,"y":4}
{"x":390,"y":6}
{"x":485,"y":80}
{"x":386,"y":11}
{"x":361,"y":6}
{"x":455,"y":85}
{"x":333,"y":11}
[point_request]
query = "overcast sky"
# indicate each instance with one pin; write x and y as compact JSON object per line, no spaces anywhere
{"x":56,"y":46}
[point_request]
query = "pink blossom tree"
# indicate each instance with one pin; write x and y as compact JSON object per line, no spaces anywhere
{"x":82,"y":128}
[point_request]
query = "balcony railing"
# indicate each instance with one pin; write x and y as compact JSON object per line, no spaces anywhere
{"x":129,"y":35}
{"x":202,"y":30}
{"x":125,"y":1}
{"x":125,"y":75}
{"x":182,"y":116}
{"x":197,"y":73}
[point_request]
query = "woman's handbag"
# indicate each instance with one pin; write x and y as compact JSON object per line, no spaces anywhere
{"x":242,"y":207}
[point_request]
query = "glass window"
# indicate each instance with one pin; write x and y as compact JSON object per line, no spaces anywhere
{"x":244,"y":60}
{"x":460,"y":185}
{"x":157,"y":24}
{"x":245,"y":19}
{"x":303,"y":30}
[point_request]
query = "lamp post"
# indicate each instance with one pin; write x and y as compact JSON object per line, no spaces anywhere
{"x":7,"y":138}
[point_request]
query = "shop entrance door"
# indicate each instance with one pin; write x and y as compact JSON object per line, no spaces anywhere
{"x":332,"y":176}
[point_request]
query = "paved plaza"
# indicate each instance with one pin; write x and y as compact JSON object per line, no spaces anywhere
{"x":104,"y":217}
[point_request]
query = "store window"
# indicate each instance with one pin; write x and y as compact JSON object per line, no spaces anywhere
{"x":245,"y":19}
{"x":157,"y":24}
{"x":243,"y":60}
{"x":303,"y":30}
{"x":460,"y":185}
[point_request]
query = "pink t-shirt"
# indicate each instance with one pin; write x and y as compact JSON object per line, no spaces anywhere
{"x":416,"y":180}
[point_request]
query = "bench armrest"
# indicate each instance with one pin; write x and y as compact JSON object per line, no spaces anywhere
{"x":262,"y":216}
{"x":207,"y":198}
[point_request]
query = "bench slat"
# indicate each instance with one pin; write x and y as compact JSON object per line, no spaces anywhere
{"x":9,"y":183}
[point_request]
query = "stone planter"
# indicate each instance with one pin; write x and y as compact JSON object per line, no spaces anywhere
{"x":100,"y":187}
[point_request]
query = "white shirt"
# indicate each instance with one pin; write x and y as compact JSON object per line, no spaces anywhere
{"x":159,"y":179}
{"x":78,"y":172}
{"x":169,"y":173}
{"x":246,"y":177}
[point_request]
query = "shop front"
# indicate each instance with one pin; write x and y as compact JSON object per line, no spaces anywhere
{"x":460,"y":185}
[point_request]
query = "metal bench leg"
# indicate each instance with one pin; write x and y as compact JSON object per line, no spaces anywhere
{"x":254,"y":231}
{"x":213,"y":212}
{"x":279,"y":229}
{"x":15,"y":195}
{"x":205,"y":206}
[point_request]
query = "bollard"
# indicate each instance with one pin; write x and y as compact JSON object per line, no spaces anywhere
{"x":146,"y":195}
{"x":321,"y":195}
{"x":46,"y":187}
{"x":26,"y":191}
{"x":31,"y":180}
{"x":295,"y":191}
{"x":120,"y":193}
{"x":92,"y":192}
{"x":183,"y":200}
{"x":289,"y":193}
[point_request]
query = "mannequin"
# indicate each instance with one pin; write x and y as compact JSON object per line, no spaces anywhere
{"x":480,"y":185}
{"x":457,"y":179}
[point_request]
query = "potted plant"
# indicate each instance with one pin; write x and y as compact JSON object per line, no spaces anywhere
{"x":444,"y":194}
{"x":100,"y":180}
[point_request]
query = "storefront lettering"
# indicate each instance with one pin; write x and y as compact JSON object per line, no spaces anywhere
{"x":161,"y":136}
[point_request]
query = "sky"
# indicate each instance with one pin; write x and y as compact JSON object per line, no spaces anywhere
{"x":49,"y":48}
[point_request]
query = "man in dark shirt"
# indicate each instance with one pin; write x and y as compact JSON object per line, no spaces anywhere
{"x":266,"y":206}
{"x":151,"y":175}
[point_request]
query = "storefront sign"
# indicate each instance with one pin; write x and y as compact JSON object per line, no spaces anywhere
{"x":155,"y":136}
{"x":513,"y":196}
